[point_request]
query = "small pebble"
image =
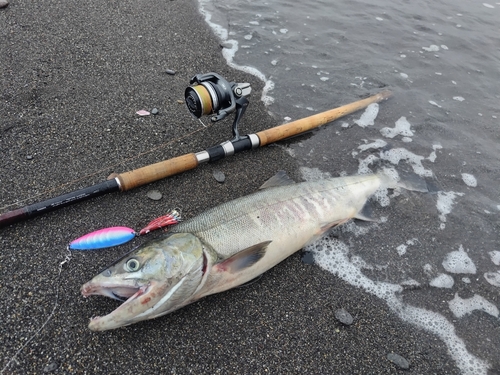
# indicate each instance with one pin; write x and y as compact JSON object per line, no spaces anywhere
{"x":4,"y":3}
{"x":170,"y":71}
{"x":307,"y":257}
{"x":344,"y":317}
{"x":154,"y":111}
{"x":143,"y":112}
{"x":154,"y":195}
{"x":180,"y":101}
{"x":398,"y":360}
{"x":219,"y":176}
{"x":50,"y":367}
{"x":29,"y":157}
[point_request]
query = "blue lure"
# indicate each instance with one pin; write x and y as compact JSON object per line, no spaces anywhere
{"x":103,"y":238}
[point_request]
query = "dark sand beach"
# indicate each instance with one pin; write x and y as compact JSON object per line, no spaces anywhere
{"x":73,"y":74}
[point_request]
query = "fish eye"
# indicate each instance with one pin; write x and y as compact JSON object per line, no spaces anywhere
{"x":132,"y":265}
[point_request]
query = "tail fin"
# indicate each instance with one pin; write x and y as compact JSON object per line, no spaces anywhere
{"x":409,"y":181}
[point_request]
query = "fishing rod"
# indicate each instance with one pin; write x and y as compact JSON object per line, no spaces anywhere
{"x":208,"y":94}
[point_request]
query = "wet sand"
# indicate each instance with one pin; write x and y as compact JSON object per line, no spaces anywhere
{"x":73,"y":76}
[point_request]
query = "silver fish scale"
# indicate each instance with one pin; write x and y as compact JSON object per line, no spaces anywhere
{"x":293,"y":211}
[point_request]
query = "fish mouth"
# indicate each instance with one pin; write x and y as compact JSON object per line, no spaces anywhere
{"x":131,"y":297}
{"x":118,"y":292}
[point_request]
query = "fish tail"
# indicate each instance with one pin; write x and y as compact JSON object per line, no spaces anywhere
{"x":392,"y":179}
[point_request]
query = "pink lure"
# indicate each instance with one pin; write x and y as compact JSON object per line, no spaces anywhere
{"x":103,"y":238}
{"x":171,"y":218}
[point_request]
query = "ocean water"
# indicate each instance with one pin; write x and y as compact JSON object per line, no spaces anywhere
{"x":434,"y":258}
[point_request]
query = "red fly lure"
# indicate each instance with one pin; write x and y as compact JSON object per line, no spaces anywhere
{"x":173,"y":217}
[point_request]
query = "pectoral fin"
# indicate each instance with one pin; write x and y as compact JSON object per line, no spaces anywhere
{"x":243,"y":259}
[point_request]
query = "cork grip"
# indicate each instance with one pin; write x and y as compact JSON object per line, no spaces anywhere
{"x":154,"y":172}
{"x":303,"y":125}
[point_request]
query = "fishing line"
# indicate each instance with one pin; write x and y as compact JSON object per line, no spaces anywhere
{"x":104,"y":168}
{"x":67,"y":258}
{"x":202,"y":123}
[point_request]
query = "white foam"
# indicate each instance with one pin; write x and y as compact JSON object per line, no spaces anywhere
{"x":495,"y":257}
{"x":360,"y":263}
{"x":382,"y":197}
{"x":445,"y":201}
{"x":466,"y":280}
{"x":458,"y":98}
{"x":459,"y":262}
{"x":395,"y":155}
{"x":412,"y":241}
{"x":431,"y":48}
{"x":442,"y":281}
{"x":410,"y":282}
{"x":488,"y":5}
{"x":229,"y":52}
{"x":402,"y":127}
{"x":432,"y":156}
{"x":401,"y":249}
{"x":404,"y":75}
{"x":461,"y":307}
{"x":378,"y":143}
{"x":493,"y":278}
{"x":434,"y":103}
{"x":332,"y":255}
{"x":363,"y":167}
{"x":469,"y":179}
{"x":369,"y":115}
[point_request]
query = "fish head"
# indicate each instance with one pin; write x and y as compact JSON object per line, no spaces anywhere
{"x":154,"y":279}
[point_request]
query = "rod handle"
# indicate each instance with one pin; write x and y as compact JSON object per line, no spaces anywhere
{"x":303,"y":125}
{"x":157,"y":171}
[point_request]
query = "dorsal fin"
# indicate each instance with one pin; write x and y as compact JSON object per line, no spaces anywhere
{"x":279,"y":179}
